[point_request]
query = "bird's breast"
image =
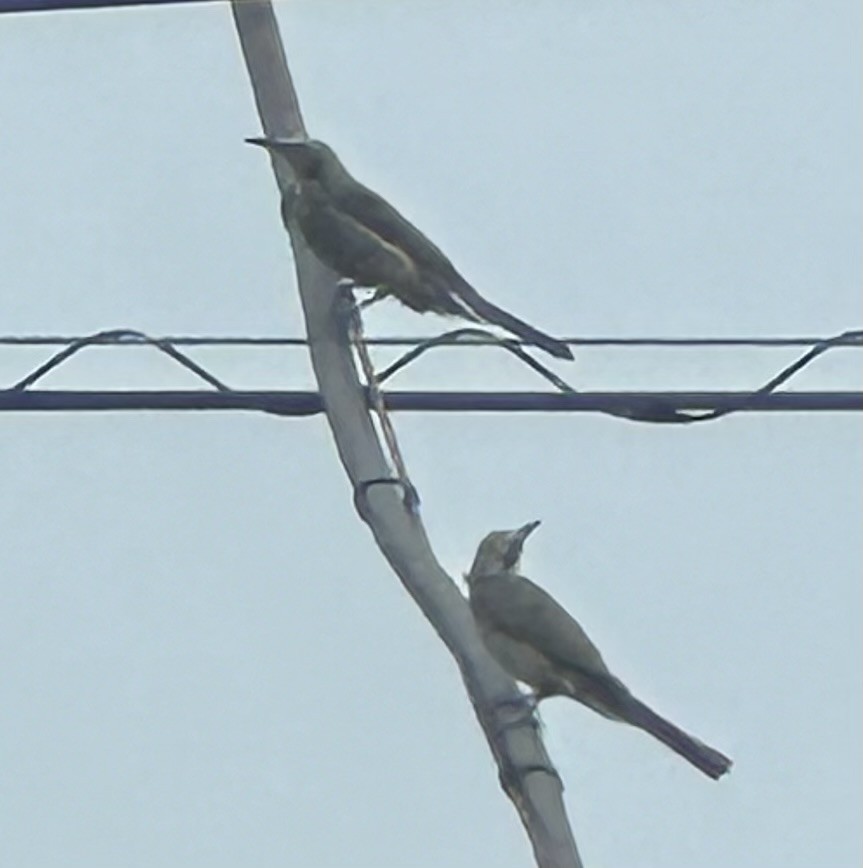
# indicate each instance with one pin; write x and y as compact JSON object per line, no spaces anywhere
{"x":522,"y":661}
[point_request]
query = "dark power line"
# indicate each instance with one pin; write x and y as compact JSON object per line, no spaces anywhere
{"x":306,"y":403}
{"x":55,"y":5}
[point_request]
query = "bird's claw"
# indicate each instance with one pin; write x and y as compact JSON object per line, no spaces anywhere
{"x":345,"y":305}
{"x":345,"y":293}
{"x":523,"y":706}
{"x":368,"y":302}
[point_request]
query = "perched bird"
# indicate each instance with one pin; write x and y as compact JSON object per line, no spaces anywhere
{"x":361,"y":236}
{"x":539,"y":643}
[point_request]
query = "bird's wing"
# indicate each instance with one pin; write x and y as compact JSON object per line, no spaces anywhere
{"x":346,"y":245}
{"x":516,"y":607}
{"x":372,"y":210}
{"x":453,"y":294}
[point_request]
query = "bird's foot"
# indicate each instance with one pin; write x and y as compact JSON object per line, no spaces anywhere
{"x":345,"y":300}
{"x":368,"y":302}
{"x":522,"y":708}
{"x":347,"y":305}
{"x":514,"y":712}
{"x":410,"y":496}
{"x":344,"y":304}
{"x":348,"y":286}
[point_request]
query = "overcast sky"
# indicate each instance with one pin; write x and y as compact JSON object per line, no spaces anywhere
{"x":205,"y":659}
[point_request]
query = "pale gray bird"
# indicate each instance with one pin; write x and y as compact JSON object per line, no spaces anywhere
{"x":539,"y":643}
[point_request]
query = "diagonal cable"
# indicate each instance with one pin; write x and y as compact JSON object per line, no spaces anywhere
{"x":118,"y":336}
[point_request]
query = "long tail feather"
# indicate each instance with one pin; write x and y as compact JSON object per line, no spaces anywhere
{"x":493,"y":314}
{"x":705,"y":758}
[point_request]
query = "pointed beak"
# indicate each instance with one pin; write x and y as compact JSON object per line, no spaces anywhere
{"x":526,"y":530}
{"x":273,"y":143}
{"x":516,"y":543}
{"x":262,"y":142}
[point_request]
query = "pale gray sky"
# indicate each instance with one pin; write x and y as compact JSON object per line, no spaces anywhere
{"x":205,"y":661}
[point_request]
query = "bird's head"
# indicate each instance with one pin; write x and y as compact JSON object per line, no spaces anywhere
{"x":500,"y":551}
{"x":307,"y":157}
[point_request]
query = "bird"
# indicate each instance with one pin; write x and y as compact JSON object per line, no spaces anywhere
{"x":367,"y":241}
{"x":540,"y":644}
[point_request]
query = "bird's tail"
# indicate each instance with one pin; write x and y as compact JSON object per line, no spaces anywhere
{"x":491,"y":313}
{"x":705,"y":758}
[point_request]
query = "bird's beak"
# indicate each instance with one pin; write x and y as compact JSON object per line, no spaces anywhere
{"x":262,"y":142}
{"x":526,"y":530}
{"x":516,"y":543}
{"x":273,"y":143}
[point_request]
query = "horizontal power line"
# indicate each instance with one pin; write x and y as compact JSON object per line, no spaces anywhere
{"x":409,"y":341}
{"x":306,"y":403}
{"x":57,"y":5}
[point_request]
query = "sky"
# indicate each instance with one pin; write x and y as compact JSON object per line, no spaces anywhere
{"x":206,"y":661}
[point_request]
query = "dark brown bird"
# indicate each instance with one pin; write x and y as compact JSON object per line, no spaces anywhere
{"x":539,"y":643}
{"x":361,"y":236}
